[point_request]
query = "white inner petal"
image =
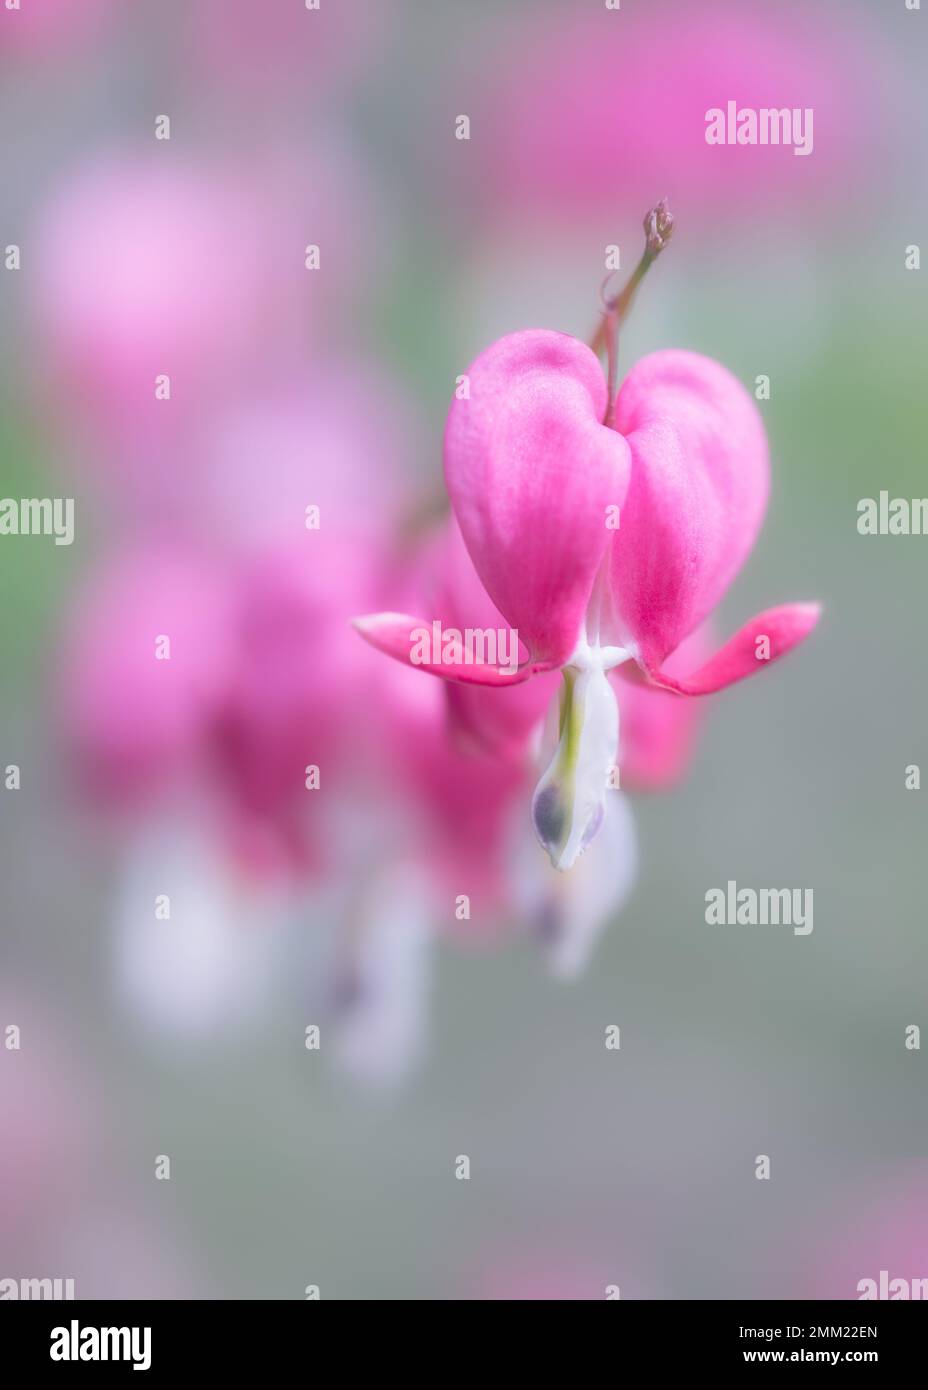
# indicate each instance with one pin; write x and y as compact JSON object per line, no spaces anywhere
{"x":567,"y":912}
{"x":569,"y":801}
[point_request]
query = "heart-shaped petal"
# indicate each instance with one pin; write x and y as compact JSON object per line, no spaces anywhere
{"x":532,"y":473}
{"x":696,"y":499}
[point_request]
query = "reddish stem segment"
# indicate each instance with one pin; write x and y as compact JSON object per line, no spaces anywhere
{"x":658,"y":229}
{"x":610,"y":327}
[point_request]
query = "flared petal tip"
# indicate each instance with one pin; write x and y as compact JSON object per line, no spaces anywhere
{"x":762,"y":641}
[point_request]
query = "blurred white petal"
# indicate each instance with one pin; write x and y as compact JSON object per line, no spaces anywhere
{"x":382,"y":979}
{"x":211,"y":963}
{"x":567,"y":911}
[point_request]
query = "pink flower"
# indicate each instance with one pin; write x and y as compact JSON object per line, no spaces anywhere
{"x":601,"y":545}
{"x":51,"y":1117}
{"x":467,"y":769}
{"x":658,"y":730}
{"x":145,"y":269}
{"x":148,"y":657}
{"x":149,"y":268}
{"x":286,"y":508}
{"x":52,"y":28}
{"x":286,"y":709}
{"x":598,"y":106}
{"x":873,"y":1244}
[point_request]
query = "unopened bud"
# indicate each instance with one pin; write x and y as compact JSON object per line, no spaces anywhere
{"x":658,"y":227}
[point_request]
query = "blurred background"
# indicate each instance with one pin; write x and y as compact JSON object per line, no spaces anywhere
{"x":311,"y":257}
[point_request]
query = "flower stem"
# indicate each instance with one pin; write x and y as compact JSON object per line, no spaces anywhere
{"x":658,"y":229}
{"x":610,"y":327}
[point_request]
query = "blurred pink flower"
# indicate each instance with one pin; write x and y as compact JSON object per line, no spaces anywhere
{"x":264,"y":683}
{"x":558,"y":1276}
{"x":149,"y":267}
{"x":337,"y":436}
{"x":122,"y":1251}
{"x":880,"y":1232}
{"x":40,"y":29}
{"x":263,"y":679}
{"x":590,"y":111}
{"x":307,"y":487}
{"x":299,"y":697}
{"x":49,"y":1107}
{"x":148,"y":658}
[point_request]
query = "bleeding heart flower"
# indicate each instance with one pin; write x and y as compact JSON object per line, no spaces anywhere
{"x":604,"y":531}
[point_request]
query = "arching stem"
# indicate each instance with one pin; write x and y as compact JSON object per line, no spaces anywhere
{"x":658,"y":229}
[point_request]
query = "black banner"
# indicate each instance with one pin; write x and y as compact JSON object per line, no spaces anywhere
{"x":241,"y":1338}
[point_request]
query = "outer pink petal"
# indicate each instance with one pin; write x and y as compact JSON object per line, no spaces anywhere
{"x":695,"y":501}
{"x":742,"y":655}
{"x":394,"y":634}
{"x":531,"y":471}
